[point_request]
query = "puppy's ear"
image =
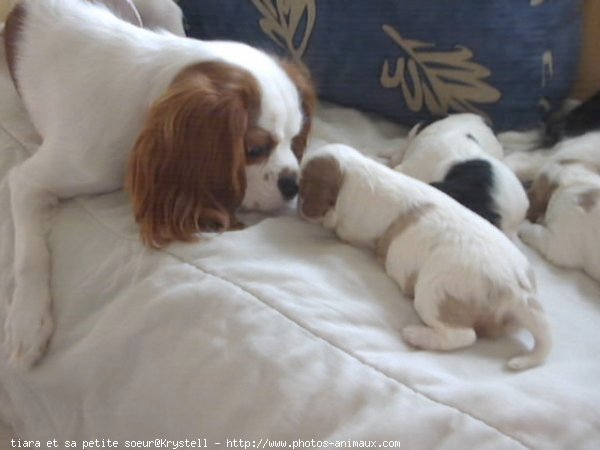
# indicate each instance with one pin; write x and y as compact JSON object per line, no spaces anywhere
{"x":320,"y":184}
{"x":539,"y":194}
{"x":187,"y":170}
{"x":300,"y":76}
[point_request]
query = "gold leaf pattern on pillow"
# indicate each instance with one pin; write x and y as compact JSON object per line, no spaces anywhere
{"x":441,"y":81}
{"x":289,"y":23}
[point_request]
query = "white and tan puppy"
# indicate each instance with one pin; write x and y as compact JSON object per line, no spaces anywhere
{"x":565,"y":206}
{"x":461,"y":156}
{"x":466,"y":277}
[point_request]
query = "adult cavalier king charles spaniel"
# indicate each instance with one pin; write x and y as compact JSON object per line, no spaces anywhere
{"x":194,"y":129}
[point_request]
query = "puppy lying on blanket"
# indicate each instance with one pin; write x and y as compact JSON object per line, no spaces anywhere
{"x":460,"y":156}
{"x":565,"y":203}
{"x":466,"y":277}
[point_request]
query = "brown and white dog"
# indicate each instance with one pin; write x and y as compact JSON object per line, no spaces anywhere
{"x":466,"y":277}
{"x":197,"y":129}
{"x":565,"y":206}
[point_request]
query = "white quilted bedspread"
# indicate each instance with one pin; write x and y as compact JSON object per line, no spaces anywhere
{"x":278,"y":331}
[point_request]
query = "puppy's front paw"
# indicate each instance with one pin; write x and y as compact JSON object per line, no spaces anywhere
{"x":27,"y":329}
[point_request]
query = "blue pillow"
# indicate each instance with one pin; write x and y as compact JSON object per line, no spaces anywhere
{"x":512,"y":61}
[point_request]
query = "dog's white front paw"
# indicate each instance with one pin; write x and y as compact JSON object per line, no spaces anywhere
{"x":27,"y":329}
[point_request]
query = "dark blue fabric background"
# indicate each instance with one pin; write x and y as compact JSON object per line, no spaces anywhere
{"x":348,"y":46}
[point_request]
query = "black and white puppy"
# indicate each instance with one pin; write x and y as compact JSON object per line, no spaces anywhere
{"x":461,"y":156}
{"x":580,"y":120}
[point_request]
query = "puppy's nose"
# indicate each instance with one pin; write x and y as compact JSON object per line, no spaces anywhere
{"x":288,"y":185}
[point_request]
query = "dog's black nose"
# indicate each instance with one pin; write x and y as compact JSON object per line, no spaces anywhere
{"x":288,"y":186}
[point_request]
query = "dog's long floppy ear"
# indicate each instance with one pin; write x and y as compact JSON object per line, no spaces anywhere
{"x":539,"y":194}
{"x":187,"y":170}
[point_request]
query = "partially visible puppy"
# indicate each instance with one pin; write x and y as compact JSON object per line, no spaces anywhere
{"x":580,"y":120}
{"x":576,"y":119}
{"x":460,"y":156}
{"x":466,"y":277}
{"x":565,"y":206}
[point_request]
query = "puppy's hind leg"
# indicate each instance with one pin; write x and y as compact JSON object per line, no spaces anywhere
{"x":29,"y":325}
{"x":436,"y":335}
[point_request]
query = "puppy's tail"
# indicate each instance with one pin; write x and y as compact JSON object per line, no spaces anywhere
{"x":533,"y":318}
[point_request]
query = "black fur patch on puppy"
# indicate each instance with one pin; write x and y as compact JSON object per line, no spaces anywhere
{"x":471,"y":184}
{"x":584,"y":118}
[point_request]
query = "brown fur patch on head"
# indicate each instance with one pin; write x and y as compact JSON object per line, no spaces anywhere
{"x":308,"y":101}
{"x":187,"y":169}
{"x":539,"y":194}
{"x":589,"y":199}
{"x":404,"y":221}
{"x":320,"y":183}
{"x":408,"y":289}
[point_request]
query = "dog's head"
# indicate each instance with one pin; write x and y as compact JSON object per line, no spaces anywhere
{"x":557,"y":174}
{"x":220,"y":138}
{"x":321,"y":180}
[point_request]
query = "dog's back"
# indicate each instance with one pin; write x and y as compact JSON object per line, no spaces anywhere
{"x":470,"y":183}
{"x":449,"y":155}
{"x":467,"y":275}
{"x":454,"y":261}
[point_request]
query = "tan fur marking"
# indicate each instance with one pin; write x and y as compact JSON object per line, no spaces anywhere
{"x":589,"y":199}
{"x":300,"y":76}
{"x":539,"y":195}
{"x":399,"y":226}
{"x":463,"y":314}
{"x":409,"y":285}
